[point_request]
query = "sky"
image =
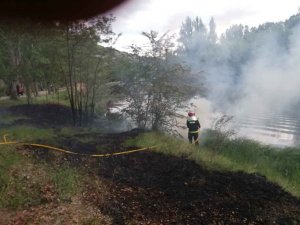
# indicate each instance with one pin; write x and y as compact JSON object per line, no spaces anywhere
{"x":136,"y":16}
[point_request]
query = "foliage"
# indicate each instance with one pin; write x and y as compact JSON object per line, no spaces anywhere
{"x":153,"y":82}
{"x":59,"y":55}
{"x":224,"y":59}
{"x":86,"y":65}
{"x":220,"y":132}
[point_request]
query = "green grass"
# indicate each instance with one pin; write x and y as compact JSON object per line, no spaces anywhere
{"x":13,"y":187}
{"x":60,"y":97}
{"x":25,"y":182}
{"x":281,"y":166}
{"x":11,"y":102}
{"x":26,"y":133}
{"x":66,"y":181}
{"x":68,"y":131}
{"x":7,"y":119}
{"x":22,"y":179}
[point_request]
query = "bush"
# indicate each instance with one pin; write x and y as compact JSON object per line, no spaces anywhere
{"x":220,"y":132}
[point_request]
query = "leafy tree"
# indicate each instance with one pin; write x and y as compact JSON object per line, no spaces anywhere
{"x":19,"y":54}
{"x":67,"y":54}
{"x":197,"y":45}
{"x":154,"y":84}
{"x":212,"y":35}
{"x":81,"y":63}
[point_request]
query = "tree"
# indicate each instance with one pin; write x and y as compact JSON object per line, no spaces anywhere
{"x":82,"y":63}
{"x":195,"y":42}
{"x":212,"y":35}
{"x":20,"y":54}
{"x":67,"y":54}
{"x":154,"y":84}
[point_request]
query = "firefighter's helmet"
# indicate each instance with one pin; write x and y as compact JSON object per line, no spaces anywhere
{"x":191,"y":114}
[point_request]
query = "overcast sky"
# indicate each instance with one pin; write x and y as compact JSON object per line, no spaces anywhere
{"x":136,"y":16}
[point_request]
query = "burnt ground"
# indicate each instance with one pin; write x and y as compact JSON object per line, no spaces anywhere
{"x":42,"y":115}
{"x":152,"y":188}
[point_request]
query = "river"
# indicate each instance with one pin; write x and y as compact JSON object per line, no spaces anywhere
{"x":282,"y":130}
{"x":277,"y":129}
{"x":274,"y":129}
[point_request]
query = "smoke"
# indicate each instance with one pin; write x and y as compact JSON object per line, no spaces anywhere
{"x":220,"y":84}
{"x":257,"y":83}
{"x":267,"y":82}
{"x":270,"y":81}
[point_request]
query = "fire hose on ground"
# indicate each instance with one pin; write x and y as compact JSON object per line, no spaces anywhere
{"x":5,"y":142}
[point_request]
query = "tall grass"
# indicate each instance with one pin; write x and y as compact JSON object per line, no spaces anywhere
{"x":281,"y":166}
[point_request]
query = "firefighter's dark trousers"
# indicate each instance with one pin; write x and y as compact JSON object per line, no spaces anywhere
{"x":193,"y":136}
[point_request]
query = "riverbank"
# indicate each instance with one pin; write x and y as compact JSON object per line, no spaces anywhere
{"x":279,"y":165}
{"x":173,"y":183}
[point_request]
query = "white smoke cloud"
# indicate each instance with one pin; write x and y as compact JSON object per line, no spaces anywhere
{"x":271,"y":81}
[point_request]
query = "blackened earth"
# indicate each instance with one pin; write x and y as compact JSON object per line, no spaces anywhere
{"x":153,"y":188}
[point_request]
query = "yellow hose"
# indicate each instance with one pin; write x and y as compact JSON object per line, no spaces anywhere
{"x":70,"y":152}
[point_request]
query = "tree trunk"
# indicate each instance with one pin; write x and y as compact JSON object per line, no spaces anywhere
{"x":36,"y":89}
{"x":28,"y":93}
{"x":70,"y":79}
{"x":13,"y":90}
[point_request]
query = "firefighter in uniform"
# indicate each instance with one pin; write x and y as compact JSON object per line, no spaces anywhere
{"x":193,"y":124}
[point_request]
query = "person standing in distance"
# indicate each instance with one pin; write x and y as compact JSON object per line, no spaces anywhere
{"x":193,"y":124}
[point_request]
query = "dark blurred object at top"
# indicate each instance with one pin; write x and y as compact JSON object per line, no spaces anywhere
{"x":55,"y":10}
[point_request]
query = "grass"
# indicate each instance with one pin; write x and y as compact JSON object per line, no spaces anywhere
{"x":26,"y":133}
{"x":7,"y":119}
{"x":66,"y":181}
{"x":68,"y":131}
{"x":71,"y":131}
{"x":60,"y":97}
{"x":24,"y":182}
{"x":11,"y":102}
{"x":21,"y":180}
{"x":13,"y":191}
{"x":281,"y":166}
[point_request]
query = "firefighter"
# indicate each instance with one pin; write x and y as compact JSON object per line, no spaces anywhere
{"x":193,"y":124}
